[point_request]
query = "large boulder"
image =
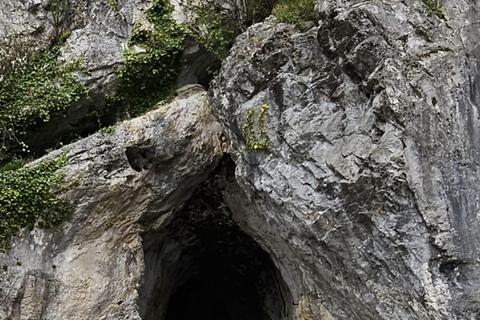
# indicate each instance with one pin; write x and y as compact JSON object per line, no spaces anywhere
{"x":365,"y":175}
{"x":92,"y":266}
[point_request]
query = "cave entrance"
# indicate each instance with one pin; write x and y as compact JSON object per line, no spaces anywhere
{"x":201,"y":265}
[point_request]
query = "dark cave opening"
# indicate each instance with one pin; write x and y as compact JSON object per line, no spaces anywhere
{"x":201,"y":265}
{"x":225,"y":282}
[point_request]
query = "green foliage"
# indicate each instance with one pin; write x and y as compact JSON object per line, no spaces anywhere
{"x":295,"y":11}
{"x":217,"y":36}
{"x":35,"y":91}
{"x":254,"y":141}
{"x":149,"y":76}
{"x":15,"y":51}
{"x":216,"y":23}
{"x":14,"y":164}
{"x":107,"y":130}
{"x":113,"y":4}
{"x":434,"y":7}
{"x":26,"y":198}
{"x":59,"y":10}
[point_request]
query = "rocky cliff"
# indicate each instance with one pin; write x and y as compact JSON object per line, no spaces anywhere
{"x":330,"y":172}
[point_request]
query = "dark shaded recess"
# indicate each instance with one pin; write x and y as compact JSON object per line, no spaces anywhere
{"x":201,"y":265}
{"x":140,"y":158}
{"x":199,"y":66}
{"x":66,"y":126}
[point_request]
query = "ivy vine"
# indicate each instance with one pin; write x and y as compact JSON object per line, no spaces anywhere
{"x":152,"y":62}
{"x":37,"y":90}
{"x":26,"y":197}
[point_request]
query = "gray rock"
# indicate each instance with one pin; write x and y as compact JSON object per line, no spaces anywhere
{"x":364,"y":204}
{"x":366,"y":197}
{"x":99,"y":36}
{"x":99,"y":33}
{"x":92,"y":266}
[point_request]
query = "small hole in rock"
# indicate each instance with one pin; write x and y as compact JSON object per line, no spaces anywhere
{"x":139,"y":158}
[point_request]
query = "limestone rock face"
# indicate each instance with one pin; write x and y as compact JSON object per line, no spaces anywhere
{"x":360,"y":200}
{"x":367,"y":194}
{"x":99,"y":32}
{"x":92,"y":266}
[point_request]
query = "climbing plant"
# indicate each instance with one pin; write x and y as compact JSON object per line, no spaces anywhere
{"x":35,"y":90}
{"x":26,"y":197}
{"x":152,"y":61}
{"x":215,"y":24}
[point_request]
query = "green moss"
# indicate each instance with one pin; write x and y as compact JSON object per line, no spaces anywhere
{"x":295,"y":11}
{"x":149,"y":76}
{"x":256,"y":139}
{"x":434,"y":7}
{"x":26,"y":198}
{"x":110,"y":223}
{"x":38,"y":90}
{"x":108,"y":130}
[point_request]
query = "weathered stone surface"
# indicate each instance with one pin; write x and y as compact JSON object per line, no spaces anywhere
{"x":99,"y":36}
{"x":99,"y":33}
{"x":91,"y":267}
{"x":365,"y":201}
{"x":367,"y":195}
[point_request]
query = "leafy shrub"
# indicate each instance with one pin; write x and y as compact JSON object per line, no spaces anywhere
{"x":295,"y":11}
{"x":32,"y":92}
{"x":212,"y":31}
{"x":15,"y":51}
{"x":26,"y":198}
{"x":150,"y":76}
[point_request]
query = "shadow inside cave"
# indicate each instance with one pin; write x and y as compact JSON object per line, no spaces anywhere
{"x":200,"y":265}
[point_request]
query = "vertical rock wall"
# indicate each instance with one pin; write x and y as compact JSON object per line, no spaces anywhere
{"x":367,"y":193}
